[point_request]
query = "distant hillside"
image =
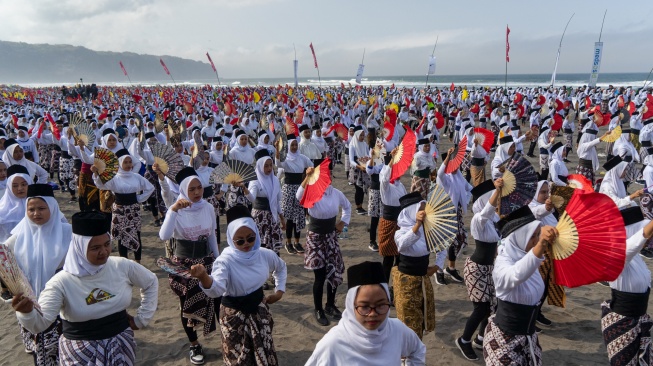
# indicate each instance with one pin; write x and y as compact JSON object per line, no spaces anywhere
{"x":44,"y":63}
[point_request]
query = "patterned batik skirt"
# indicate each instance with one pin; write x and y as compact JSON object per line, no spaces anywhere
{"x":374,"y":203}
{"x":359,"y":178}
{"x":628,"y":339}
{"x":106,"y":201}
{"x":290,"y":207}
{"x":45,"y":156}
{"x":322,"y":250}
{"x":44,"y":345}
{"x":269,"y":231}
{"x":421,"y":185}
{"x":54,"y":162}
{"x":386,"y":235}
{"x":235,"y":196}
{"x":331,"y":149}
{"x":67,"y":173}
{"x":477,"y":174}
{"x":247,"y":338}
{"x":587,"y":172}
{"x":197,"y":308}
{"x":215,"y":202}
{"x":460,"y":241}
{"x":88,"y":192}
{"x":119,"y":350}
{"x":500,"y":349}
{"x":415,"y":301}
{"x":643,"y":153}
{"x":126,"y":224}
{"x":544,"y":162}
{"x":569,"y":141}
{"x":479,"y":282}
{"x":154,"y":180}
{"x":555,"y":294}
{"x":466,"y":163}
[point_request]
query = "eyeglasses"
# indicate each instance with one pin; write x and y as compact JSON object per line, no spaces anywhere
{"x":241,"y":242}
{"x":367,"y":310}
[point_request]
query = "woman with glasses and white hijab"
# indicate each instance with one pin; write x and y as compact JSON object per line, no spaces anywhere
{"x":238,"y":276}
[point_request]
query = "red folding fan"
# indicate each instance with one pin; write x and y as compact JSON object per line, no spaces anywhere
{"x":591,"y":245}
{"x":318,"y":181}
{"x":579,"y":181}
{"x":557,"y":122}
{"x":458,"y":155}
{"x":485,"y":138}
{"x":439,"y":120}
{"x":404,"y":155}
{"x":388,"y":131}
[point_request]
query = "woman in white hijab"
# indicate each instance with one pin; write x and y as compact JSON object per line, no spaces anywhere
{"x":646,"y":201}
{"x":12,"y":204}
{"x":236,"y":193}
{"x":519,"y":288}
{"x":504,"y":151}
{"x":40,"y":243}
{"x":241,"y":151}
{"x":264,"y":143}
{"x":319,"y":141}
{"x":14,"y":155}
{"x":3,"y":178}
{"x":366,"y":335}
{"x":358,"y":149}
{"x":545,"y":141}
{"x":613,"y":184}
{"x":557,"y":165}
{"x":588,"y":158}
{"x":422,"y":166}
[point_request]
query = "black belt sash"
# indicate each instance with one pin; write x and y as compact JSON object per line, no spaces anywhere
{"x":375,"y":184}
{"x":65,"y":155}
{"x":563,"y":178}
{"x":629,"y":304}
{"x":293,"y":178}
{"x":647,"y":143}
{"x":124,"y":199}
{"x":413,"y":266}
{"x":321,"y":226}
{"x":478,"y":161}
{"x":516,"y":319}
{"x":390,"y":213}
{"x":634,"y":131}
{"x":261,"y":203}
{"x":208,"y":192}
{"x":247,"y":304}
{"x":96,"y":329}
{"x":484,"y":253}
{"x":586,"y":163}
{"x":424,"y":173}
{"x":191,"y":248}
{"x":544,"y":151}
{"x":568,"y":130}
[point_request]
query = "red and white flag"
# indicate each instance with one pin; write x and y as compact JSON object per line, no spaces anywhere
{"x":507,"y":44}
{"x":165,"y":68}
{"x":314,"y":58}
{"x":211,"y":61}
{"x":123,"y":68}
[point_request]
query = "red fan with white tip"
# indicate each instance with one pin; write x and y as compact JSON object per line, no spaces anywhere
{"x":485,"y":138}
{"x":404,"y":155}
{"x":591,"y":245}
{"x":458,"y":156}
{"x":439,"y":120}
{"x":318,"y":182}
{"x":557,"y":122}
{"x":388,"y":131}
{"x":579,"y":181}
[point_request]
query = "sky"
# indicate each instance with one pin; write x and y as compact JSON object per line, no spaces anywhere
{"x":255,"y":38}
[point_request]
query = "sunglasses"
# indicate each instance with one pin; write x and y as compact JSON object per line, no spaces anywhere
{"x":241,"y":242}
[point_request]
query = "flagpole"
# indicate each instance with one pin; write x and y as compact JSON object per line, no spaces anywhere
{"x":318,"y":77}
{"x":432,"y":54}
{"x":646,"y":81}
{"x":505,"y":80}
{"x":218,"y":76}
{"x":555,"y":69}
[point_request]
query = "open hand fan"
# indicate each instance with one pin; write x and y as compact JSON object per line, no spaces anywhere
{"x":281,"y":144}
{"x":85,"y":133}
{"x":318,"y":181}
{"x":557,"y":122}
{"x":485,"y":138}
{"x":591,"y":245}
{"x":233,"y":171}
{"x":613,"y":135}
{"x":439,"y":120}
{"x":378,"y":152}
{"x":624,"y":116}
{"x":106,"y":163}
{"x":168,"y":160}
{"x":198,"y":150}
{"x":560,"y":196}
{"x":12,"y":276}
{"x":388,"y":131}
{"x":76,"y":119}
{"x":519,"y":184}
{"x":341,"y":130}
{"x":173,"y":268}
{"x":158,"y":123}
{"x":404,"y":155}
{"x":440,"y":224}
{"x":457,"y":156}
{"x":579,"y":181}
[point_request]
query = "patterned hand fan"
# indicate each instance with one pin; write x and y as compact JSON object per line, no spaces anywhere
{"x":579,"y":181}
{"x":624,"y":116}
{"x":106,"y":163}
{"x":198,"y":150}
{"x":76,"y":119}
{"x":281,"y":144}
{"x":519,"y":184}
{"x":560,"y":196}
{"x":173,"y":268}
{"x":158,"y":123}
{"x":485,"y":138}
{"x":318,"y":182}
{"x":613,"y":135}
{"x":458,"y":155}
{"x":378,"y":152}
{"x":440,"y":225}
{"x":84,"y":132}
{"x":404,"y":155}
{"x":591,"y":245}
{"x":12,"y":276}
{"x":233,"y":171}
{"x":168,"y":160}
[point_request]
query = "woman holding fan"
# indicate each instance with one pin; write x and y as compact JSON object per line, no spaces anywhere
{"x":359,"y":150}
{"x":423,"y":164}
{"x":236,"y":193}
{"x":588,"y":159}
{"x":12,"y":204}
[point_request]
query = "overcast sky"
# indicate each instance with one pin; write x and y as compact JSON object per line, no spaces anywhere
{"x":254,"y":38}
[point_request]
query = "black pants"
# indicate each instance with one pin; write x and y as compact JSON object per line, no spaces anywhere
{"x":388,"y":263}
{"x":374,"y":224}
{"x":190,"y":332}
{"x":531,"y":148}
{"x":153,"y":205}
{"x":479,"y":316}
{"x":358,"y":196}
{"x":544,"y":175}
{"x":124,"y":252}
{"x":291,"y":230}
{"x":318,"y":290}
{"x":451,"y":253}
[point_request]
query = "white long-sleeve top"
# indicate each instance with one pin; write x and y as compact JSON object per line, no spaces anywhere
{"x":587,"y":151}
{"x":256,"y":189}
{"x":204,"y":225}
{"x":67,"y":295}
{"x":390,"y":192}
{"x":558,"y":168}
{"x":124,"y":183}
{"x":411,"y":244}
{"x":329,"y":205}
{"x":231,"y":278}
{"x":169,"y":197}
{"x":515,"y":282}
{"x":482,"y":226}
{"x":635,"y":277}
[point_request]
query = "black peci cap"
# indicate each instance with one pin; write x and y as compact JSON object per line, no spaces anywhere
{"x":44,"y":190}
{"x":236,"y":212}
{"x":410,"y":199}
{"x":632,"y":215}
{"x":515,"y":220}
{"x":366,"y":273}
{"x":261,"y":154}
{"x":184,"y":173}
{"x":90,"y":223}
{"x":16,"y":169}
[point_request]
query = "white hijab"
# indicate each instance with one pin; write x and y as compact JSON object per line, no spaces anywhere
{"x":360,"y":147}
{"x":105,"y":140}
{"x":358,"y":337}
{"x":8,"y":158}
{"x":514,"y":246}
{"x":549,"y":219}
{"x":319,"y":141}
{"x":77,"y":263}
{"x":39,"y":249}
{"x":271,"y":186}
{"x":613,"y":179}
{"x":232,"y":251}
{"x":12,"y":208}
{"x":406,"y":217}
{"x":501,"y":154}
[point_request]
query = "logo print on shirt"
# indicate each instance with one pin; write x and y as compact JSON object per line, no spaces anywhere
{"x":97,"y":295}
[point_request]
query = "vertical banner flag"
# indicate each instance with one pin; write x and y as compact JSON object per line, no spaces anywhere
{"x":314,"y":58}
{"x":123,"y":68}
{"x":165,"y":68}
{"x":359,"y":73}
{"x":431,"y":65}
{"x":295,"y":66}
{"x":507,"y":45}
{"x":211,"y":61}
{"x":596,"y":64}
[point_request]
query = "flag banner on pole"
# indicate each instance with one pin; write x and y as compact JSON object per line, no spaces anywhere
{"x":123,"y":68}
{"x":596,"y":65}
{"x":555,"y":69}
{"x":507,"y":44}
{"x":211,"y":61}
{"x":295,"y":66}
{"x":314,"y":58}
{"x":431,"y":65}
{"x":359,"y":73}
{"x":165,"y":68}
